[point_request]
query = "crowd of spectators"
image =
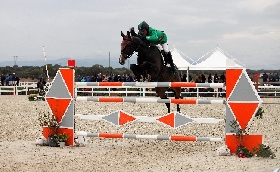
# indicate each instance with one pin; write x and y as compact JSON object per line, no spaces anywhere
{"x":202,"y":79}
{"x":270,"y":77}
{"x":9,"y":80}
{"x":128,"y":78}
{"x":106,"y":78}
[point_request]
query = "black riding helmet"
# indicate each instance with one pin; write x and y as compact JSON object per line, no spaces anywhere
{"x":143,"y":25}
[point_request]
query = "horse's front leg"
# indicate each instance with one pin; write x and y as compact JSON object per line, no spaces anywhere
{"x":152,"y":66}
{"x":136,"y":69}
{"x":178,"y":108}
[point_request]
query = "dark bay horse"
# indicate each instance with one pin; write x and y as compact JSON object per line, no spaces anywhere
{"x":150,"y":62}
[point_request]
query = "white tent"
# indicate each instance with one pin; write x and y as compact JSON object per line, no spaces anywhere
{"x":178,"y":60}
{"x":217,"y":61}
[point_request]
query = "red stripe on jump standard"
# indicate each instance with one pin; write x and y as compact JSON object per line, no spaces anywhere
{"x":110,"y":83}
{"x":183,"y":101}
{"x":183,"y":84}
{"x":110,"y":135}
{"x":183,"y":138}
{"x":110,"y":99}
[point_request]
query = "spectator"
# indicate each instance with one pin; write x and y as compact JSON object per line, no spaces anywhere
{"x":105,"y":78}
{"x":203,"y":78}
{"x":83,"y":79}
{"x":198,"y":79}
{"x":41,"y":79}
{"x":44,"y":82}
{"x":274,"y":78}
{"x":223,"y":78}
{"x":123,"y":78}
{"x":93,"y":78}
{"x":40,"y":85}
{"x":17,"y":80}
{"x":190,"y":78}
{"x":7,"y":80}
{"x":79,"y":78}
{"x":99,"y":78}
{"x":270,"y":77}
{"x":216,"y":78}
{"x":209,"y":79}
{"x":128,"y":78}
{"x":264,"y":77}
{"x":3,"y":78}
{"x":184,"y":78}
{"x":110,"y":78}
{"x":116,"y":78}
{"x":88,"y":79}
{"x":277,"y":77}
{"x":10,"y":79}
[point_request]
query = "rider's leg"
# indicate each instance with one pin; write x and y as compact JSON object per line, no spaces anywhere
{"x":168,"y":55}
{"x":164,"y":54}
{"x":165,"y":49}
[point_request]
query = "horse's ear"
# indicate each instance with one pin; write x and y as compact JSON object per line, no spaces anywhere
{"x":122,"y":34}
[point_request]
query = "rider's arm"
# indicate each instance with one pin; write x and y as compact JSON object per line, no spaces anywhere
{"x":153,"y":37}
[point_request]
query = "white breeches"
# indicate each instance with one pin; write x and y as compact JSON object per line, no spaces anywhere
{"x":165,"y":47}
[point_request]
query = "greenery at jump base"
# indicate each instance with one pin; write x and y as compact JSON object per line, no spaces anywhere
{"x":262,"y":150}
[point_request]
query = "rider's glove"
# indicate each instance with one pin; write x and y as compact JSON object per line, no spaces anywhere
{"x":132,"y":31}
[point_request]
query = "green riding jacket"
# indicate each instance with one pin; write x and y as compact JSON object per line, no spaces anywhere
{"x":155,"y":36}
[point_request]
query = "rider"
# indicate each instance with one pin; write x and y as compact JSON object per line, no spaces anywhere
{"x":155,"y":37}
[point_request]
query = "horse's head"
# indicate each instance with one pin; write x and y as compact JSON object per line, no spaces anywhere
{"x":128,"y":47}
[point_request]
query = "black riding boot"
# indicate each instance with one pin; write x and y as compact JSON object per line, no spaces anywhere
{"x":170,"y":61}
{"x":165,"y":57}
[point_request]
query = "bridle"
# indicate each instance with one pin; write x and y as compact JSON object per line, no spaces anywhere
{"x":130,"y":46}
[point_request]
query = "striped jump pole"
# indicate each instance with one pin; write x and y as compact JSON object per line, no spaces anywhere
{"x":174,"y":120}
{"x":242,"y":102}
{"x":149,"y":100}
{"x":153,"y":137}
{"x":152,"y":84}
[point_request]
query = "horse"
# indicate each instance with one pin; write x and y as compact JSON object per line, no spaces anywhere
{"x":150,"y":62}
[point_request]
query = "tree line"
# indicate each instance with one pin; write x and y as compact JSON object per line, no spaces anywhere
{"x":35,"y":72}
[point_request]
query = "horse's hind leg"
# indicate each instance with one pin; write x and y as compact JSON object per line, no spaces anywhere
{"x":168,"y":107}
{"x":161,"y":93}
{"x":177,"y":92}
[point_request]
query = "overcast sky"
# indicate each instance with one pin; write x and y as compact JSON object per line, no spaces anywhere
{"x":248,"y":30}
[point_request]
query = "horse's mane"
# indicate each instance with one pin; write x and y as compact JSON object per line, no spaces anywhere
{"x":136,"y":39}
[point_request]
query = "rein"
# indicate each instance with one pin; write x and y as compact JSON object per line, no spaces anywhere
{"x":128,"y":56}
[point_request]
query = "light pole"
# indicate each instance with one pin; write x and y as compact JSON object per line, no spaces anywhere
{"x":15,"y":60}
{"x":109,"y":63}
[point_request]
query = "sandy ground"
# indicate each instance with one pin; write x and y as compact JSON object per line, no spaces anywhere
{"x":19,"y":129}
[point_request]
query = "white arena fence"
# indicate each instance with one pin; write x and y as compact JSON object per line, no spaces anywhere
{"x":26,"y":88}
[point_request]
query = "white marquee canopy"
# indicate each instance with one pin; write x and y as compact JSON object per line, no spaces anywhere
{"x":179,"y":61}
{"x":216,"y":61}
